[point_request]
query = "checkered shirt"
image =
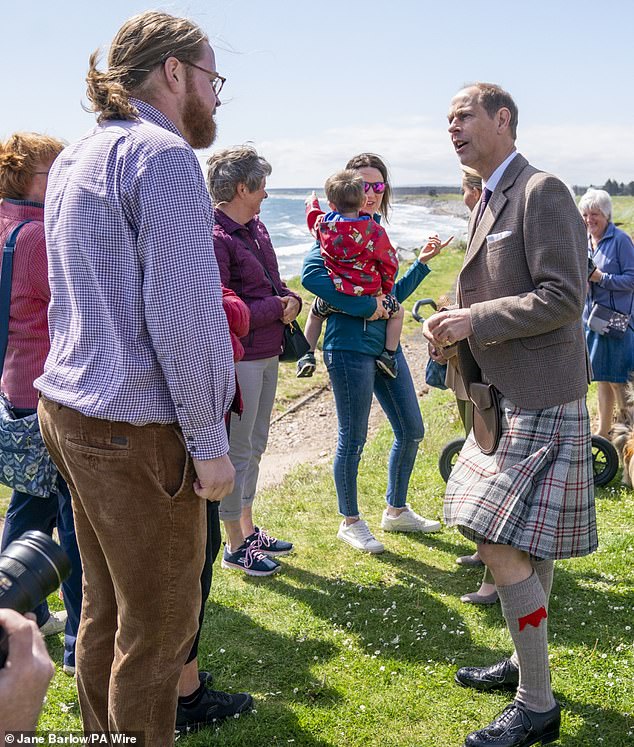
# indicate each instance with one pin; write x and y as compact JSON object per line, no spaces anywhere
{"x":536,"y":492}
{"x":137,"y":329}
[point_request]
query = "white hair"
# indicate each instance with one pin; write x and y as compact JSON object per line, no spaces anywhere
{"x":597,"y":199}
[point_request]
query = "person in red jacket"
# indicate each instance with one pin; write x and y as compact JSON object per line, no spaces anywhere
{"x":196,"y":709}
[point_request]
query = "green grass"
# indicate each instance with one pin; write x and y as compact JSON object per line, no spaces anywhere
{"x":346,"y":649}
{"x":5,"y":496}
{"x":624,"y":213}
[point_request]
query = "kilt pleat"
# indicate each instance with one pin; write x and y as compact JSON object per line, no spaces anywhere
{"x":536,"y":492}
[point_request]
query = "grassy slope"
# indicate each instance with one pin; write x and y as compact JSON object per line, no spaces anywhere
{"x":347,"y":649}
{"x":624,"y":213}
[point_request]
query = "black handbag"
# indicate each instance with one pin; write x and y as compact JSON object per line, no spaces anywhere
{"x":294,"y":345}
{"x":606,"y":321}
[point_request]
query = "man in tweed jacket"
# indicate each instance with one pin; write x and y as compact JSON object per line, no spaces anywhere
{"x":521,"y":292}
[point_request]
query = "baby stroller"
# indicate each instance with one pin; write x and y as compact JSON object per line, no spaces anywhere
{"x":605,"y":459}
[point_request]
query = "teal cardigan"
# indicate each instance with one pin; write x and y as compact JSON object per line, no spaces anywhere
{"x":351,"y":330}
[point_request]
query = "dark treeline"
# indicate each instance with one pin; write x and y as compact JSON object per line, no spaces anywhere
{"x":612,"y":187}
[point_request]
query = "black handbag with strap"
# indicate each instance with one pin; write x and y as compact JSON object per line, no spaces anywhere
{"x":295,"y":344}
{"x":606,"y":320}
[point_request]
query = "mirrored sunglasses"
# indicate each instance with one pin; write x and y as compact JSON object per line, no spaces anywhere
{"x":377,"y":187}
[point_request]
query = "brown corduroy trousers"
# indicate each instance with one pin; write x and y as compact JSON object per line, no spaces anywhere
{"x":141,"y":534}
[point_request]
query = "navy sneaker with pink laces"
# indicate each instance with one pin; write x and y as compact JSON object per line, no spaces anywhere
{"x":249,"y":559}
{"x":270,"y":546}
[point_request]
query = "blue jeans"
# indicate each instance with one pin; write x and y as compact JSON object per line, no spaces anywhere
{"x":354,"y":377}
{"x":27,"y":512}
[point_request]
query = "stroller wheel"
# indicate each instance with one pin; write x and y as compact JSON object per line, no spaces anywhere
{"x":605,"y":460}
{"x":448,"y":457}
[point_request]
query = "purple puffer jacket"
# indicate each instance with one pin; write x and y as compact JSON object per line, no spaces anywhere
{"x":236,"y":248}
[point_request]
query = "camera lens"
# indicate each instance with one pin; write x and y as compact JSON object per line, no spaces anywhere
{"x":31,"y":568}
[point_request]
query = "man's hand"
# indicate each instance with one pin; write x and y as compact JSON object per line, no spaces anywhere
{"x":448,"y":327}
{"x":26,"y":674}
{"x":436,"y":354}
{"x":291,"y":308}
{"x":215,"y":478}
{"x":380,"y":312}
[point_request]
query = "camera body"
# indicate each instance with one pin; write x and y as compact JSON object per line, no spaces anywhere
{"x":31,"y":568}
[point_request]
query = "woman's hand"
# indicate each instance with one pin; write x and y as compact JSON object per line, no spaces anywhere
{"x":597,"y":276}
{"x":381,"y":312}
{"x":291,"y":308}
{"x":431,"y":248}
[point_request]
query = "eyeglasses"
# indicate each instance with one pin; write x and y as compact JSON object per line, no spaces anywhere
{"x":218,"y":81}
{"x":377,"y":187}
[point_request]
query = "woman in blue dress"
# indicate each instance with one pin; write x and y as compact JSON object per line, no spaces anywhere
{"x":611,"y":284}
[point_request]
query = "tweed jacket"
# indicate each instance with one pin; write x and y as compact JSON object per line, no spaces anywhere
{"x":524,"y":278}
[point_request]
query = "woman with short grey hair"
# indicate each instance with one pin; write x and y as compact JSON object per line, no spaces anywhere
{"x":611,"y":285}
{"x":232,"y":167}
{"x":236,"y":179}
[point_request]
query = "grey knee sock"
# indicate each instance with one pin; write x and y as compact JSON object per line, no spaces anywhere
{"x":524,"y":608}
{"x":544,"y":570}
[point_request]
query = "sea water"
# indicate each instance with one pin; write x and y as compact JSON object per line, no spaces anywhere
{"x":283,"y":214}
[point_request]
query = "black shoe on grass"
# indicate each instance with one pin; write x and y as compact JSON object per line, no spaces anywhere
{"x":210,"y":708}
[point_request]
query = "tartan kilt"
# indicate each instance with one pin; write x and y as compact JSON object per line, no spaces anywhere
{"x":536,"y":492}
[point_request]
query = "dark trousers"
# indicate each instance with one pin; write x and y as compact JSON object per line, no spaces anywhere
{"x":28,"y":512}
{"x":212,"y":547}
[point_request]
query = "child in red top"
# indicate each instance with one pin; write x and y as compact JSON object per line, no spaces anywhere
{"x":359,"y":259}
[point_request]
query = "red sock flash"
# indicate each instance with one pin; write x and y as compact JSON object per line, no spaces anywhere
{"x":533,"y":618}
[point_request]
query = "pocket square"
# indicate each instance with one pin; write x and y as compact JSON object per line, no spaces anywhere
{"x":492,"y":237}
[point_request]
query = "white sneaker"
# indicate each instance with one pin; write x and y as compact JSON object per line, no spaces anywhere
{"x":55,"y":623}
{"x":408,"y":521}
{"x":359,"y":536}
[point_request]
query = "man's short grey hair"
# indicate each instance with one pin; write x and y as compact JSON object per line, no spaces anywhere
{"x":238,"y":165}
{"x":597,"y":199}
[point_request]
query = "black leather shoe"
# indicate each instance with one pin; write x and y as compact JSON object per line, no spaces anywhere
{"x":516,"y":726}
{"x":501,"y":676}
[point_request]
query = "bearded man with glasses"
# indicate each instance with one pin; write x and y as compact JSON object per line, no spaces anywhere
{"x":140,"y":375}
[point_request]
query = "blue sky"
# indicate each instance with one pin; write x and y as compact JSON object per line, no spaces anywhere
{"x":310,"y":84}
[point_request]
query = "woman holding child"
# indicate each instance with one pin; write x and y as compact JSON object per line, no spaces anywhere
{"x":355,"y":338}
